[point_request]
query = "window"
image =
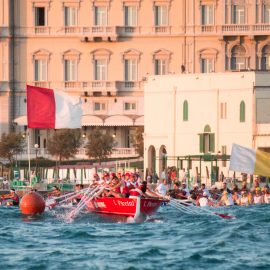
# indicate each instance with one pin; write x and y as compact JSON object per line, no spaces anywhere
{"x":40,"y":70}
{"x":130,"y":15}
{"x":129,"y":106}
{"x":265,"y":62}
{"x":242,"y":111}
{"x":185,"y":111}
{"x":40,"y":16}
{"x":99,"y":106}
{"x":101,"y":69}
{"x":161,"y":15}
{"x":266,"y":13}
{"x":70,"y":70}
{"x":238,"y":14}
{"x":238,"y":59}
{"x":207,"y":65}
{"x":130,"y":69}
{"x":207,"y":14}
{"x":223,"y":110}
{"x":160,"y":67}
{"x":207,"y":141}
{"x":70,"y":16}
{"x":100,"y":16}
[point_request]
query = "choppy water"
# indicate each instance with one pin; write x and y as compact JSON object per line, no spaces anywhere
{"x":169,"y":240}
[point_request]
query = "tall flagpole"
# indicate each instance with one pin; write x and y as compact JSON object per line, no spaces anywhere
{"x":28,"y":153}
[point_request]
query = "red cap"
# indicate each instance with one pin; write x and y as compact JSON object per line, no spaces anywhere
{"x":127,"y":174}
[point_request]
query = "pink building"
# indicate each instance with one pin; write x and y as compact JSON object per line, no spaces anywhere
{"x":103,"y":51}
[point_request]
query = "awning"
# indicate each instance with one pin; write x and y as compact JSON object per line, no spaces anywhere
{"x":21,"y":120}
{"x":139,"y":121}
{"x":118,"y":120}
{"x":91,"y":120}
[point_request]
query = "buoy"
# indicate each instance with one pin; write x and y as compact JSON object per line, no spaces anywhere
{"x":32,"y":203}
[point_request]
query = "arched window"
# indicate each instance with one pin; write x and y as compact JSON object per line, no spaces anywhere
{"x":207,"y":129}
{"x":207,"y":141}
{"x":185,"y":111}
{"x":242,"y":111}
{"x":265,"y":64}
{"x":238,"y":59}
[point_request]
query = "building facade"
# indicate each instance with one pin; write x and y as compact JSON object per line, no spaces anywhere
{"x":203,"y":115}
{"x":104,"y":50}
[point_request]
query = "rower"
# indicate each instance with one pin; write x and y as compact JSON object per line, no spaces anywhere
{"x":55,"y":192}
{"x":11,"y":199}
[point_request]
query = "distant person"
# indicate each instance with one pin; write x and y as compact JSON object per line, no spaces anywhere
{"x":5,"y":184}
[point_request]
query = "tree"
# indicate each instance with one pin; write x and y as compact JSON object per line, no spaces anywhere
{"x":11,"y":145}
{"x":64,"y":144}
{"x":99,"y":145}
{"x":137,"y":141}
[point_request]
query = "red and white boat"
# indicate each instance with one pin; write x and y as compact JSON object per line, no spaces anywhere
{"x":137,"y":208}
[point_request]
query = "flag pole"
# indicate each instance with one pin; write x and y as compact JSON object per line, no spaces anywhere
{"x":28,"y":153}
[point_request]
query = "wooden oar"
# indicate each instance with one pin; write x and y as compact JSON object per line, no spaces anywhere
{"x":65,"y":198}
{"x":88,"y":197}
{"x":184,"y":207}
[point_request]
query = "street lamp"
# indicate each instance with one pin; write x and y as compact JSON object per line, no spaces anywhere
{"x":36,"y":149}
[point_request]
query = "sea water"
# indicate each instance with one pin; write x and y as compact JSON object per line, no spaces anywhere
{"x":168,"y":240}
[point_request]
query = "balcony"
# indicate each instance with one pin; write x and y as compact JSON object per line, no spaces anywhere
{"x":158,"y":29}
{"x":40,"y":84}
{"x":130,"y":86}
{"x":99,"y":33}
{"x":81,"y":154}
{"x":128,"y":30}
{"x":231,"y":29}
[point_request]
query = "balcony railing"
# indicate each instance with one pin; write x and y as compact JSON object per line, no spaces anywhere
{"x":81,"y":154}
{"x":162,"y":29}
{"x":41,"y":84}
{"x":129,"y":85}
{"x":110,"y":33}
{"x":100,"y":86}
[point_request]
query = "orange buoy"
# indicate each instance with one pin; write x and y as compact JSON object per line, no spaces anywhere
{"x":32,"y":203}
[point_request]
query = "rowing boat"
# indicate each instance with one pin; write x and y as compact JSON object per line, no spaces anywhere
{"x":137,"y":208}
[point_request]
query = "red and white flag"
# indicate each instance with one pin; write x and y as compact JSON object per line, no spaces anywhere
{"x":49,"y":108}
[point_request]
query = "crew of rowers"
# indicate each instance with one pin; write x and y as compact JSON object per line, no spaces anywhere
{"x":123,"y":186}
{"x":222,"y":197}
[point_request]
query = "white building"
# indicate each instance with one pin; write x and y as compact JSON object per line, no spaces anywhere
{"x":203,"y":114}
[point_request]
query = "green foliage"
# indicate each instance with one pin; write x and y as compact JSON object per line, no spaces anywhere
{"x":99,"y":145}
{"x":137,"y":141}
{"x":65,"y":143}
{"x":11,"y":145}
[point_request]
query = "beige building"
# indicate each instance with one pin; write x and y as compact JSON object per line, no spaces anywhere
{"x":200,"y":117}
{"x":103,"y":51}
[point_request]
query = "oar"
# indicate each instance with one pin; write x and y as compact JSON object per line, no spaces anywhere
{"x":65,"y":198}
{"x":84,"y":201}
{"x":225,"y":216}
{"x":182,"y":209}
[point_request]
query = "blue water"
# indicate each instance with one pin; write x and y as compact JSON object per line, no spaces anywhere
{"x":169,"y":240}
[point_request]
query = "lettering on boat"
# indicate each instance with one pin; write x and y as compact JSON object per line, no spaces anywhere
{"x":99,"y":204}
{"x":124,"y":203}
{"x":150,"y":204}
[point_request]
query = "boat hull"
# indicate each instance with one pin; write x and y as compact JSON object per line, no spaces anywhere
{"x":128,"y":207}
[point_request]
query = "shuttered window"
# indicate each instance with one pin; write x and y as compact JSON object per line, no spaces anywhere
{"x":185,"y":111}
{"x":242,"y":111}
